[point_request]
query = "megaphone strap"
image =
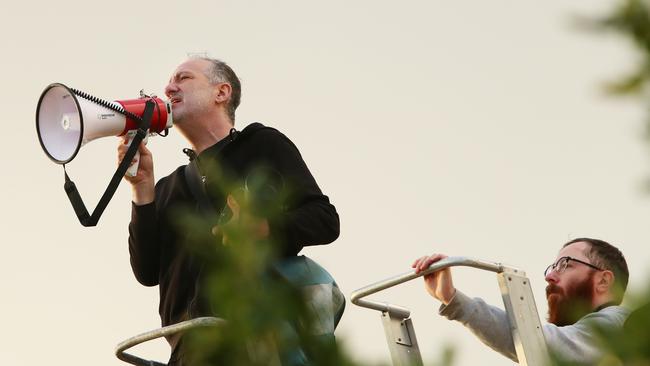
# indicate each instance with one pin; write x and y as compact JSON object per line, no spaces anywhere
{"x":71,"y":188}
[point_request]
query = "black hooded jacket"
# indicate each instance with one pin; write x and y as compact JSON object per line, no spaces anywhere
{"x":158,"y":247}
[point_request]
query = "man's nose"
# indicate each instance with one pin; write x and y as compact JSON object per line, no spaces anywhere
{"x":551,"y":277}
{"x":170,"y":89}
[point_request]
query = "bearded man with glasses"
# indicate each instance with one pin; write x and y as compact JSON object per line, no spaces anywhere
{"x":586,"y":284}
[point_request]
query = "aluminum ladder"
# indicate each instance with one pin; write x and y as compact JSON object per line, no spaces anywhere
{"x":517,"y":298}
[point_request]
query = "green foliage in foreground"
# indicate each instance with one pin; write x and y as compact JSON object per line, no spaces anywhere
{"x":631,"y":20}
{"x":268,"y":322}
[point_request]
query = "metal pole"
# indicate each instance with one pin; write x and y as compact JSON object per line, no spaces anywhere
{"x":158,"y":333}
{"x":396,"y":310}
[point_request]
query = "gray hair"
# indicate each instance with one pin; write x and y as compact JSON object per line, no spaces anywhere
{"x":220,"y":72}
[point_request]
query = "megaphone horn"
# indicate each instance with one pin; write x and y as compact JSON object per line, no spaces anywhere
{"x":67,"y":119}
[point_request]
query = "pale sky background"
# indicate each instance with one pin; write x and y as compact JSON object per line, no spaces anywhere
{"x":473,"y":128}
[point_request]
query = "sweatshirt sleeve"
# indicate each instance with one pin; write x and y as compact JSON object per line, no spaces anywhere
{"x":489,"y":323}
{"x":144,"y":243}
{"x":310,"y":218}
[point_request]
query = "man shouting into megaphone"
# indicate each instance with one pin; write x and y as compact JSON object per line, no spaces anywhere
{"x":205,"y":93}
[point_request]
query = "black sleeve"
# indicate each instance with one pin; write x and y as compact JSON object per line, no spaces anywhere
{"x":144,"y":244}
{"x":310,"y":218}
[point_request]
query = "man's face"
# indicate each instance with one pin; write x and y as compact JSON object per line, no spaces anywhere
{"x":570,"y":293}
{"x":190,"y":90}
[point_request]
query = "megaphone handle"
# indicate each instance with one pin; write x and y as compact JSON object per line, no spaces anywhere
{"x":133,"y":169}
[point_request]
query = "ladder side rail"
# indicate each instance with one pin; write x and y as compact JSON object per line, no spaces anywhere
{"x":402,"y":343}
{"x":523,"y":317}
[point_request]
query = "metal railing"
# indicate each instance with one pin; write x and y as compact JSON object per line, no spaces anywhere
{"x":357,"y":296}
{"x":517,"y":297}
{"x":158,"y":333}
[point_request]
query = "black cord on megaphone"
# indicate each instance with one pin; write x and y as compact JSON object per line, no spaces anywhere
{"x":107,"y":104}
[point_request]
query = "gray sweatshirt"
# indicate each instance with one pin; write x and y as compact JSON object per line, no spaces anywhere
{"x":574,"y":343}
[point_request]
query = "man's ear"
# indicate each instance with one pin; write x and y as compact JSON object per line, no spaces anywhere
{"x":222,"y":93}
{"x":604,"y":281}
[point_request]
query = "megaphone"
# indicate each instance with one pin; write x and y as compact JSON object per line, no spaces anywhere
{"x":67,"y":119}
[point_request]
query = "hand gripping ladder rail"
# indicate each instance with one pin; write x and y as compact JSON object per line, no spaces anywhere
{"x":517,"y":298}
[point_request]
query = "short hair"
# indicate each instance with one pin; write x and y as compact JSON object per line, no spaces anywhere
{"x":220,"y":72}
{"x":607,"y":256}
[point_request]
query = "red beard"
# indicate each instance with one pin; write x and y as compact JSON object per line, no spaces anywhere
{"x":566,"y":307}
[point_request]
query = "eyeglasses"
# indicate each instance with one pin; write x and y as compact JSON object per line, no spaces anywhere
{"x":561,"y":264}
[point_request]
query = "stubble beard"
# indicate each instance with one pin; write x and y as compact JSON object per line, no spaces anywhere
{"x":565,"y":307}
{"x":193,"y":106}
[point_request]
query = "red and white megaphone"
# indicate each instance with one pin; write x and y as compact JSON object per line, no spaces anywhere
{"x":67,"y":119}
